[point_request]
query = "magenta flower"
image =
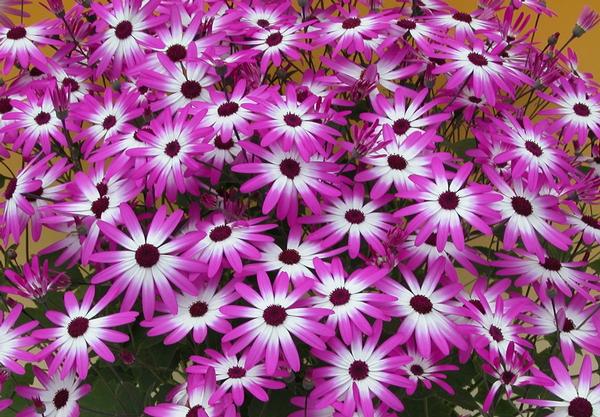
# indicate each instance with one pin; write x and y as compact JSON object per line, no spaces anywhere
{"x":577,"y":110}
{"x":348,"y":297}
{"x":124,"y":34}
{"x":289,"y":175}
{"x":573,"y":320}
{"x":443,"y":204}
{"x":511,"y":370}
{"x":294,"y":125}
{"x":147,"y":262}
{"x":34,"y":282}
{"x":13,"y":341}
{"x":18,"y":44}
{"x":195,"y":313}
{"x":230,"y":241}
{"x":357,"y":373}
{"x":528,"y":211}
{"x":80,"y":329}
{"x":236,"y":375}
{"x":170,"y":148}
{"x":549,"y":273}
{"x":581,"y":400}
{"x":427,"y":311}
{"x":351,"y":216}
{"x":198,"y":390}
{"x":57,"y":396}
{"x":278,"y":43}
{"x":423,"y":369}
{"x":274,"y":317}
{"x":296,"y":260}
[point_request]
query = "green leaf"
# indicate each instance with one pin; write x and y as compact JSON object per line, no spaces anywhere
{"x":131,"y":398}
{"x":461,"y":147}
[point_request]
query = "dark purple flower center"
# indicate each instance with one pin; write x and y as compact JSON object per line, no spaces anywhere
{"x":590,"y":221}
{"x":60,"y":398}
{"x":71,"y":84}
{"x":568,"y":325}
{"x":198,"y":309}
{"x":339,"y":296}
{"x":123,"y":30}
{"x":99,"y":206}
{"x":194,"y":411}
{"x":224,"y":146}
{"x":5,"y":105}
{"x":10,"y":188}
{"x":274,"y":315}
{"x":551,"y":264}
{"x":521,"y":206}
{"x":496,"y":333}
{"x":147,"y":255}
{"x":401,"y":126}
{"x":534,"y":148}
{"x":354,"y":216}
{"x":236,"y":372}
{"x":302,"y":94}
{"x":462,"y":17}
{"x":78,"y":326}
{"x":358,"y":370}
{"x":431,"y":240}
{"x":448,"y":200}
{"x":35,"y":72}
{"x":191,"y":89}
{"x":109,"y":122}
{"x":102,"y":188}
{"x":172,"y":149}
{"x":581,"y":109}
{"x":397,"y":162}
{"x":417,"y":370}
{"x":274,"y":39}
{"x":421,"y":304}
{"x":176,"y":52}
{"x":507,"y":377}
{"x":351,"y":23}
{"x":289,"y":168}
{"x":292,"y":120}
{"x":289,"y":256}
{"x":580,"y":407}
{"x":42,"y":118}
{"x":220,"y":233}
{"x":263,"y":23}
{"x":478,"y":59}
{"x":228,"y":108}
{"x":475,"y":100}
{"x":406,"y":24}
{"x":18,"y":32}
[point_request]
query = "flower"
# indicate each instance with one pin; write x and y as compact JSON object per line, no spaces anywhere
{"x":147,"y":261}
{"x":444,"y":203}
{"x":579,"y":400}
{"x":274,"y":316}
{"x":357,"y":372}
{"x":195,"y":313}
{"x":348,"y":297}
{"x":585,"y":22}
{"x":277,"y":43}
{"x":427,"y":310}
{"x":296,"y":260}
{"x":13,"y":340}
{"x":34,"y":282}
{"x":58,"y":395}
{"x":528,"y":211}
{"x":289,"y":175}
{"x":294,"y":125}
{"x":79,"y":329}
{"x":124,"y":40}
{"x":170,"y":147}
{"x":18,"y":44}
{"x":199,"y":389}
{"x":232,"y":240}
{"x":351,"y":216}
{"x":236,"y":375}
{"x":424,"y":369}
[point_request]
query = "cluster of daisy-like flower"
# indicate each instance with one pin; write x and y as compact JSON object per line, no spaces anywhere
{"x":313,"y":209}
